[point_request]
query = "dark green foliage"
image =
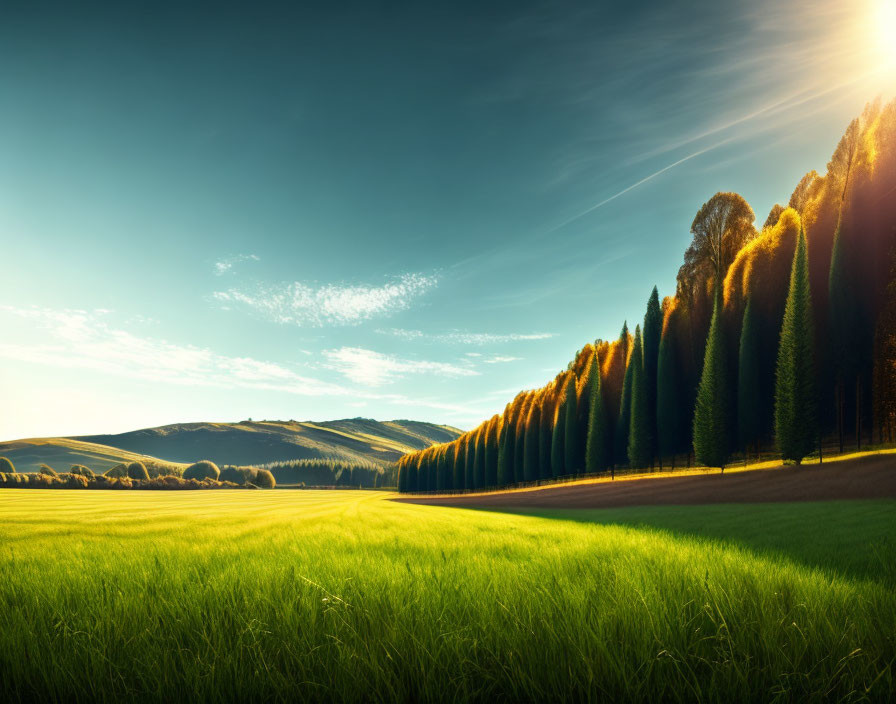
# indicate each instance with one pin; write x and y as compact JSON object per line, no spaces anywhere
{"x":6,"y":466}
{"x":668,"y":398}
{"x":117,"y":472}
{"x":47,"y":470}
{"x":137,"y":470}
{"x":204,"y":469}
{"x":546,"y":429}
{"x":571,"y":452}
{"x":479,"y":467}
{"x":505,"y":447}
{"x":470,"y":463}
{"x":491,"y":453}
{"x":749,"y":402}
{"x":639,"y":445}
{"x":620,"y":441}
{"x":711,"y":432}
{"x":653,"y":330}
{"x":558,"y":435}
{"x":795,"y":422}
{"x":531,"y":447}
{"x":81,"y":470}
{"x":264,"y":479}
{"x":519,"y":450}
{"x":457,"y":477}
{"x":597,"y":449}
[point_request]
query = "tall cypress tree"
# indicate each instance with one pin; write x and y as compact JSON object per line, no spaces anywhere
{"x":597,"y":450}
{"x":533,"y":437}
{"x":639,"y":436}
{"x":460,"y":460}
{"x":620,"y":441}
{"x":653,"y":330}
{"x":491,"y":453}
{"x":711,"y":413}
{"x":795,"y":421}
{"x":470,"y":462}
{"x":505,"y":439}
{"x":558,"y":434}
{"x":450,"y":457}
{"x":571,"y":450}
{"x":841,"y":317}
{"x":441,"y":466}
{"x":749,"y":402}
{"x":519,"y":452}
{"x":479,"y":466}
{"x":668,"y":398}
{"x":546,"y":428}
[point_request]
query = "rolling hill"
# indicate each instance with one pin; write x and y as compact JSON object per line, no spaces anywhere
{"x":243,"y":443}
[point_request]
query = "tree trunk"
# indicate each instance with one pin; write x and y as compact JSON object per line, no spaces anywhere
{"x":858,"y":412}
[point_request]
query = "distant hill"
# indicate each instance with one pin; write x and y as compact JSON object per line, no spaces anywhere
{"x":244,"y":443}
{"x":61,"y":453}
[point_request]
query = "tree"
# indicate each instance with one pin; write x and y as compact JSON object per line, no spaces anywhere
{"x":558,"y":434}
{"x":800,"y":195}
{"x":620,"y":443}
{"x":841,"y":317}
{"x":533,"y":437}
{"x":491,"y":452}
{"x":795,"y":421}
{"x":721,"y":227}
{"x":570,"y":428}
{"x":749,"y":399}
{"x":653,"y":329}
{"x":519,"y":451}
{"x":460,"y":462}
{"x":470,"y":462}
{"x":479,"y":465}
{"x":638,"y":434}
{"x":546,"y":429}
{"x":773,"y":216}
{"x":505,"y":446}
{"x":668,"y":398}
{"x":710,"y":415}
{"x":884,"y":369}
{"x":597,"y":446}
{"x":450,"y":459}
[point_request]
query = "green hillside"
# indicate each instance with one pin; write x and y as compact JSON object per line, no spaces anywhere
{"x":261,"y":442}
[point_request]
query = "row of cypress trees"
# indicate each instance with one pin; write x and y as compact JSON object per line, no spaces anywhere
{"x":570,"y":427}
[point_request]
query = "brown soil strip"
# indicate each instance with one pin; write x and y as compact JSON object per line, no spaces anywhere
{"x":871,"y":477}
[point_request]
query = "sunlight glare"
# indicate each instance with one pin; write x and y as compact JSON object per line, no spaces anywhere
{"x":886,"y":31}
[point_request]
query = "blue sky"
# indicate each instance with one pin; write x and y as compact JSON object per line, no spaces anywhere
{"x":395,"y":210}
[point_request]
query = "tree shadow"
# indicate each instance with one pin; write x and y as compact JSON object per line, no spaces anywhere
{"x":855,"y":539}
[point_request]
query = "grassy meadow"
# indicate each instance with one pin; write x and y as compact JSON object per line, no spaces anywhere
{"x":348,"y":596}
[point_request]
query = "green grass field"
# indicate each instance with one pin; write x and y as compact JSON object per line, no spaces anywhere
{"x":346,"y":596}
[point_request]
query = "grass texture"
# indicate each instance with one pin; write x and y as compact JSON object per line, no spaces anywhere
{"x":347,"y":596}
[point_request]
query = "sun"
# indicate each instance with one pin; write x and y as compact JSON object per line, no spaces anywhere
{"x":885,"y":20}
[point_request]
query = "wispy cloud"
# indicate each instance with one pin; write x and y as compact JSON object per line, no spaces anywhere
{"x":500,"y":359}
{"x":79,"y":339}
{"x":226,"y":265}
{"x":300,"y":304}
{"x":464,"y":338}
{"x":371,"y":368}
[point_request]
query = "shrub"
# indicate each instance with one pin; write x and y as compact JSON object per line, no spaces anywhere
{"x":75,"y":481}
{"x":82,"y":471}
{"x":264,"y":479}
{"x":7,"y":467}
{"x":137,"y":470}
{"x":118,"y":471}
{"x":202,"y":470}
{"x":47,"y":470}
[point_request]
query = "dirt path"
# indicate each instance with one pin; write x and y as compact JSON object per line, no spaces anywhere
{"x":872,"y":477}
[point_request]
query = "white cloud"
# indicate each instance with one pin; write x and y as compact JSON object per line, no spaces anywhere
{"x":498,"y":359}
{"x":300,"y":304}
{"x":79,"y":339}
{"x":464,"y":338}
{"x":375,"y":369}
{"x":225,"y":265}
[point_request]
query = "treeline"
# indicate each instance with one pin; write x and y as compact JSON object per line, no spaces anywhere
{"x":136,"y":475}
{"x":332,"y":472}
{"x":779,"y":339}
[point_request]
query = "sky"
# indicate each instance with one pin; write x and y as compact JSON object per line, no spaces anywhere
{"x":314,"y":211}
